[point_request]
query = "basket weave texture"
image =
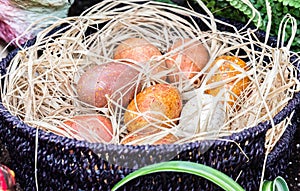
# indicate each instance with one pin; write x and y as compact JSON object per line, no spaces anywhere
{"x":68,"y":164}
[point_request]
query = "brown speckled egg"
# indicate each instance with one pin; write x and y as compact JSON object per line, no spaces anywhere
{"x":93,"y":128}
{"x":225,"y":71}
{"x":104,"y":80}
{"x":188,"y":60}
{"x":155,"y":104}
{"x":139,"y":50}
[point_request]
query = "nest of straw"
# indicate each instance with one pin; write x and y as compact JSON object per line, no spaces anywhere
{"x":40,"y":84}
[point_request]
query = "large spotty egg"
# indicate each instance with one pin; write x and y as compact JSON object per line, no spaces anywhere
{"x":155,"y":105}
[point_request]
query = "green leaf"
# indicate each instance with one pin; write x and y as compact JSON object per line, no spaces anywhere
{"x":278,"y":7}
{"x":297,"y":13}
{"x":248,"y":12}
{"x":292,"y":3}
{"x":285,"y":9}
{"x":244,"y":8}
{"x":279,"y":184}
{"x":211,"y":4}
{"x":215,"y":176}
{"x":166,"y":1}
{"x":234,"y":3}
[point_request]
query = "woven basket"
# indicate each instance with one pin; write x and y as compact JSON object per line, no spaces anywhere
{"x":67,"y":164}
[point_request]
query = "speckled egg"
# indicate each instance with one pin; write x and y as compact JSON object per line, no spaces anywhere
{"x":188,"y":60}
{"x":229,"y":67}
{"x":105,"y":80}
{"x":141,"y":51}
{"x":154,"y":105}
{"x":93,"y":128}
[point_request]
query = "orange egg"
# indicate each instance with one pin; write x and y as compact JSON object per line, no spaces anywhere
{"x":93,"y":128}
{"x":188,"y":60}
{"x":168,"y":139}
{"x":155,"y":104}
{"x":139,"y":50}
{"x":228,"y":69}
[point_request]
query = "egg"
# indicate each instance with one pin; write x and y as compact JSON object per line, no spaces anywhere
{"x":141,"y":51}
{"x":142,"y":139}
{"x":154,"y":105}
{"x":105,"y":80}
{"x":188,"y":60}
{"x":228,"y":67}
{"x":93,"y":128}
{"x":202,"y":113}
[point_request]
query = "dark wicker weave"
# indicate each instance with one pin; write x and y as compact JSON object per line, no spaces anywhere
{"x":68,"y":164}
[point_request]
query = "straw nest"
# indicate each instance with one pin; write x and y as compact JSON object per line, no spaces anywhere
{"x":40,"y":85}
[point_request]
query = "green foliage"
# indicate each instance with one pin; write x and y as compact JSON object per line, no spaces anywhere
{"x":166,"y":1}
{"x":277,"y":185}
{"x":222,"y":180}
{"x":292,"y":3}
{"x":224,"y":9}
{"x":237,"y":10}
{"x":215,"y":176}
{"x":243,"y":8}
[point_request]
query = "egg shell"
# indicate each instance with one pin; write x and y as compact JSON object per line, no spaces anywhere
{"x":139,"y":50}
{"x":228,"y":70}
{"x":188,"y":60}
{"x":93,"y":128}
{"x":168,"y":139}
{"x":106,"y":79}
{"x":141,"y":139}
{"x":163,"y":99}
{"x":202,"y":113}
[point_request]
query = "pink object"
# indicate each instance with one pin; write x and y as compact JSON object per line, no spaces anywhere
{"x":16,"y":16}
{"x":110,"y":79}
{"x":7,"y":178}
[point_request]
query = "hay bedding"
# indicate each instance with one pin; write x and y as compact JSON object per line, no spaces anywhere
{"x":40,"y":85}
